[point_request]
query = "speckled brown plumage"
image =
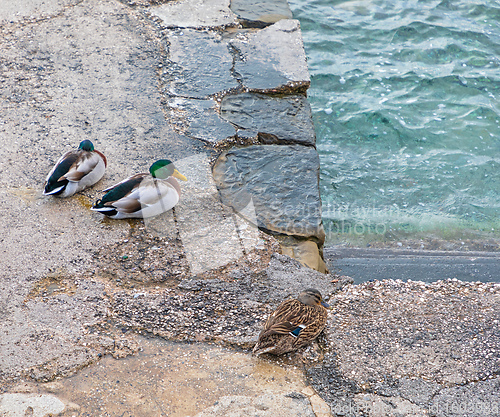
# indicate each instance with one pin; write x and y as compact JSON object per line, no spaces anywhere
{"x":294,"y":324}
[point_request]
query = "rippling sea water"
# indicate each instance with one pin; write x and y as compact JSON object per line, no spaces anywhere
{"x":405,"y":99}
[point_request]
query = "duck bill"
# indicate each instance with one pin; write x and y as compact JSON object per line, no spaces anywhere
{"x":326,"y":305}
{"x":179,"y":176}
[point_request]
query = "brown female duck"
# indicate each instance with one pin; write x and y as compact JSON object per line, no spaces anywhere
{"x":294,"y":324}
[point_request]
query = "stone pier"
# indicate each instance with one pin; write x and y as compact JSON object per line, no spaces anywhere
{"x":157,"y":317}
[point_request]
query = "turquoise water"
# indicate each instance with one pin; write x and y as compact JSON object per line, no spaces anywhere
{"x":405,"y":99}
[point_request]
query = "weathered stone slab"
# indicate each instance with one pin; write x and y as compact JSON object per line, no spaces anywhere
{"x":266,"y":405}
{"x":273,"y":119}
{"x":282,"y":183}
{"x":273,"y":58}
{"x":86,"y":73}
{"x":202,"y":120}
{"x":196,"y":14}
{"x":200,"y":64}
{"x":260,"y":13}
{"x":36,"y":405}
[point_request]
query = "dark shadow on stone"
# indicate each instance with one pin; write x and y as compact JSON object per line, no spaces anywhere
{"x":334,"y":388}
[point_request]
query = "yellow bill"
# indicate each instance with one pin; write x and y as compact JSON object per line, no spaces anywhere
{"x":178,"y":175}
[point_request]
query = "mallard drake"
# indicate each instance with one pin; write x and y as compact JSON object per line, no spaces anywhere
{"x":294,"y":324}
{"x":75,"y":170}
{"x":143,"y":195}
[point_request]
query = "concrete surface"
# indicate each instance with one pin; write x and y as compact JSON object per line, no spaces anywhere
{"x":412,"y":348}
{"x":77,"y":290}
{"x":427,"y":266}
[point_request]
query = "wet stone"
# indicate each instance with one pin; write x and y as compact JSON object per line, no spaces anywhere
{"x":280,"y":182}
{"x":200,"y":64}
{"x":196,"y":14}
{"x":271,"y":119}
{"x":260,"y":13}
{"x":202,"y":120}
{"x":273,"y":59}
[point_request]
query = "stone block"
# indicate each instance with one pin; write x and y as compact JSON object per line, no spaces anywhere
{"x":273,"y":59}
{"x":281,"y":181}
{"x":272,"y":119}
{"x":260,"y":13}
{"x":200,"y":64}
{"x":36,"y":405}
{"x":195,"y":14}
{"x":202,"y":120}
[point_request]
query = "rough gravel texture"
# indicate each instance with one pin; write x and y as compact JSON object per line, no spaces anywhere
{"x":428,"y":345}
{"x":230,"y":311}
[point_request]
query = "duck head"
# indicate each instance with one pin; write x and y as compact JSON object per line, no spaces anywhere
{"x":312,"y":297}
{"x":86,"y":145}
{"x":163,"y":169}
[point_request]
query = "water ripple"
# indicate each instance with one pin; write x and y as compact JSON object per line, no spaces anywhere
{"x":405,"y":103}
